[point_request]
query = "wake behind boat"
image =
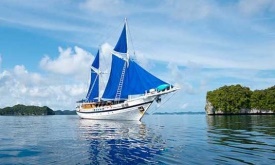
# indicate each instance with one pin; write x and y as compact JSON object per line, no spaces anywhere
{"x":130,"y":89}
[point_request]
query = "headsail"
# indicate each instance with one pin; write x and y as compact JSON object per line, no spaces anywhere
{"x":93,"y":92}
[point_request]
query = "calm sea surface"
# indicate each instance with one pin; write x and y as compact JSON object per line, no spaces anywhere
{"x":158,"y":139}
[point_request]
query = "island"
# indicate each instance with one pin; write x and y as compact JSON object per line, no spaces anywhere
{"x":20,"y":110}
{"x":237,"y":99}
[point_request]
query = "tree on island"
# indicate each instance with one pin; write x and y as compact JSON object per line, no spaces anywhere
{"x":264,"y":99}
{"x":231,"y":99}
{"x":20,"y":109}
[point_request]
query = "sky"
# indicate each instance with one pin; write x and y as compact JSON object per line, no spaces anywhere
{"x":47,"y":47}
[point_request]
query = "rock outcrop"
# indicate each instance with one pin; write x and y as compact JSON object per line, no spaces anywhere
{"x":210,"y":110}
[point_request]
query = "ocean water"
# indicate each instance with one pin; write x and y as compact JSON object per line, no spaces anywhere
{"x":157,"y":139}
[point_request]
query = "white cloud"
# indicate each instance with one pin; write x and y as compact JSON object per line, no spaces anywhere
{"x":175,"y":72}
{"x":105,"y":57}
{"x":142,"y":60}
{"x":60,"y":89}
{"x":183,"y":77}
{"x":19,"y":86}
{"x":3,"y":77}
{"x":116,"y":7}
{"x":99,"y":6}
{"x":106,"y":49}
{"x":205,"y":9}
{"x":25,"y":77}
{"x":254,"y":7}
{"x":69,"y":62}
{"x":201,"y":42}
{"x":184,"y":106}
{"x":189,"y":10}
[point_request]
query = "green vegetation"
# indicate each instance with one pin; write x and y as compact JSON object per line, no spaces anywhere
{"x":231,"y":99}
{"x":264,"y":99}
{"x":19,"y":110}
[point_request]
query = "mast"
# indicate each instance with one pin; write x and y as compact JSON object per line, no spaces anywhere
{"x":122,"y":48}
{"x":126,"y":29}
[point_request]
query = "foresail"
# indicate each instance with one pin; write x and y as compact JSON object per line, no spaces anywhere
{"x":93,"y":91}
{"x":121,"y":45}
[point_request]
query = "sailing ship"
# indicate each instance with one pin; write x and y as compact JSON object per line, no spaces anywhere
{"x":130,"y":89}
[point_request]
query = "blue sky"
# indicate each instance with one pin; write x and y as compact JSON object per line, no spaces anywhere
{"x":46,"y":46}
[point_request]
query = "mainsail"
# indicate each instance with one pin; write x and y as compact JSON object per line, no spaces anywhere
{"x":136,"y":80}
{"x":93,"y":92}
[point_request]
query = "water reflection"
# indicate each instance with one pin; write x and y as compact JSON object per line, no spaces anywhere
{"x":120,"y":142}
{"x":250,"y":136}
{"x":255,"y":123}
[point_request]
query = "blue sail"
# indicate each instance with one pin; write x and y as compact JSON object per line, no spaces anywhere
{"x":114,"y":78}
{"x":121,"y":45}
{"x":93,"y":91}
{"x":136,"y":80}
{"x":95,"y":64}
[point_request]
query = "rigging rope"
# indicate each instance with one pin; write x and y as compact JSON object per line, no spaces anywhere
{"x":110,"y":34}
{"x":131,"y":40}
{"x":157,"y":107}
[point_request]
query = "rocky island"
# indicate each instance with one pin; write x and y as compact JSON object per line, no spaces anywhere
{"x":20,"y":110}
{"x":236,"y":99}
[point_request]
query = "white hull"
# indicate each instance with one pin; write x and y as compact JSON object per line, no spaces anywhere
{"x":132,"y":109}
{"x":126,"y":113}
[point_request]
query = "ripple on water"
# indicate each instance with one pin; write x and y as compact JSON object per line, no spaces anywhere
{"x":158,"y":139}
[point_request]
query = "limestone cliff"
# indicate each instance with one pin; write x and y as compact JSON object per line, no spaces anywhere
{"x":210,"y":110}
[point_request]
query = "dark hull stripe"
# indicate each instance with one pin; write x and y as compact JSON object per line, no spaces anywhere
{"x":118,"y":109}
